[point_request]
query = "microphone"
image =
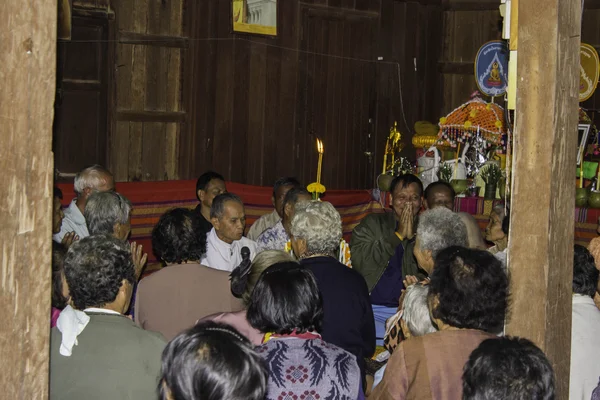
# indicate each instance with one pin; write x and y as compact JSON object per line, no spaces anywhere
{"x":239,"y":276}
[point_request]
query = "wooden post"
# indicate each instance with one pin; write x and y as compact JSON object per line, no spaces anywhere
{"x":27,"y":79}
{"x":543,"y":196}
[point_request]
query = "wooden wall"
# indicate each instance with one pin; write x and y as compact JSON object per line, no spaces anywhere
{"x":257,"y":104}
{"x":147,"y":93}
{"x":467,"y":26}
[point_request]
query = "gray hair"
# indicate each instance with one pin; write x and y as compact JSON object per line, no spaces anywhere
{"x":262,"y":261}
{"x":500,"y":211}
{"x":218,"y":205}
{"x":416,"y":310}
{"x":103,"y":210}
{"x":441,"y":228}
{"x":90,"y":177}
{"x":320,"y":225}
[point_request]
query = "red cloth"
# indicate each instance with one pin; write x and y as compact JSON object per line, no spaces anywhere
{"x":151,"y":199}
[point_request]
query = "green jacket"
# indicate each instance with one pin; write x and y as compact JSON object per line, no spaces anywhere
{"x":374,"y":242}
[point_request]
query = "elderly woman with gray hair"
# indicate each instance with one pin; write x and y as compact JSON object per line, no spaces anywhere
{"x":109,"y":213}
{"x":414,"y":319}
{"x":316,"y":233}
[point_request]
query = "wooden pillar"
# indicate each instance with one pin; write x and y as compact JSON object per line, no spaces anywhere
{"x":27,"y":80}
{"x":543,"y":197}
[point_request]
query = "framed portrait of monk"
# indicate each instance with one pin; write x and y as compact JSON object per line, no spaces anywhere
{"x":255,"y":16}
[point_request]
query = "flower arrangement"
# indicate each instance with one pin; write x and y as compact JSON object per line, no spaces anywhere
{"x":444,"y":172}
{"x":316,"y":189}
{"x":491,"y":174}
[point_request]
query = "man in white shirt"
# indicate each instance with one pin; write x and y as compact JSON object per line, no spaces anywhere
{"x":91,"y":179}
{"x":585,"y":328}
{"x":225,"y":241}
{"x":267,"y":221}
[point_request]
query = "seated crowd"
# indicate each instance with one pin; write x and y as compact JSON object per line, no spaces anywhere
{"x":292,"y":311}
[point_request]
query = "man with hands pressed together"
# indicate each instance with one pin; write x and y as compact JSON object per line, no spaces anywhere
{"x":383,"y":247}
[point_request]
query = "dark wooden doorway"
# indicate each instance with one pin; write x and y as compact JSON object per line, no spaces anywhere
{"x":80,"y":134}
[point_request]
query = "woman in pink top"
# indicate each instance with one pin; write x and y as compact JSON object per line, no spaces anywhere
{"x":243,"y":283}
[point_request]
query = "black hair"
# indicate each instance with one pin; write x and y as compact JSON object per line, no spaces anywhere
{"x":176,"y":237}
{"x":471,"y":288}
{"x":292,"y":195}
{"x":406,"y":180}
{"x":433,"y":187}
{"x":284,"y":181}
{"x":286,"y":299}
{"x":508,"y":369}
{"x":205,"y":179}
{"x":212,"y":361}
{"x":506,"y":223}
{"x":218,"y":205}
{"x":59,"y":251}
{"x":58,"y":193}
{"x":95,"y":268}
{"x":585,"y":274}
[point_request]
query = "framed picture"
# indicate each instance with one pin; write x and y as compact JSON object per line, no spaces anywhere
{"x":255,"y":16}
{"x":583,"y":131}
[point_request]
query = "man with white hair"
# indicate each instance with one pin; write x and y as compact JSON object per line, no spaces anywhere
{"x":90,"y":180}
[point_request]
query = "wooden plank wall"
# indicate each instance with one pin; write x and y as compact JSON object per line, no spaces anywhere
{"x":147,"y":93}
{"x":256,"y":104}
{"x":467,"y":26}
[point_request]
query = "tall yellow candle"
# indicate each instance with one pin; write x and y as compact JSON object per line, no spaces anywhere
{"x":385,"y":153}
{"x":319,"y":165}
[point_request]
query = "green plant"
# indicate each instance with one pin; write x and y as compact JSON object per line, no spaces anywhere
{"x":491,"y":174}
{"x":444,"y":172}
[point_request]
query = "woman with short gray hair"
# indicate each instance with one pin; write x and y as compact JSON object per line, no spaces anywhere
{"x":316,"y":233}
{"x":438,"y":229}
{"x":108,"y":213}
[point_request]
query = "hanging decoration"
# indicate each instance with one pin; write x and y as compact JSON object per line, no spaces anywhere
{"x":589,"y":71}
{"x":491,"y":68}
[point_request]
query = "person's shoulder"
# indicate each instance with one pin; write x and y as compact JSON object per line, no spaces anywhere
{"x":379,"y":218}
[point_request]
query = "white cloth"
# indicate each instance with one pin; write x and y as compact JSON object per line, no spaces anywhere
{"x":262,"y":224}
{"x":225,"y":256}
{"x":71,"y":323}
{"x":585,"y":348}
{"x":74,"y":221}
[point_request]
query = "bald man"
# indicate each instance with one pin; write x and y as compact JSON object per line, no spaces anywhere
{"x":441,"y":194}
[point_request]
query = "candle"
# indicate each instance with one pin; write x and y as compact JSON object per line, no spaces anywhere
{"x":581,"y":175}
{"x":387,"y":144}
{"x":320,"y":150}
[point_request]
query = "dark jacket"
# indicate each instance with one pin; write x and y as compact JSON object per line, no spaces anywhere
{"x":374,"y":242}
{"x":202,"y":224}
{"x":348,"y":322}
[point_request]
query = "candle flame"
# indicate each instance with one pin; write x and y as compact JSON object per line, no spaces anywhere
{"x":320,"y":146}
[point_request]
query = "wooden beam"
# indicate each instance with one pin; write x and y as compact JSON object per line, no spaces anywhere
{"x":457,"y":68}
{"x":151,"y":116}
{"x":153,"y":40}
{"x":28,"y":79}
{"x":471,"y":5}
{"x":543,"y":199}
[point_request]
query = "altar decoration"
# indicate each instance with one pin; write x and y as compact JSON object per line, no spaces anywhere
{"x":491,"y":175}
{"x":589,"y":71}
{"x":478,"y":128}
{"x":491,"y":68}
{"x":316,"y":188}
{"x":426,"y":135}
{"x":393,"y":145}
